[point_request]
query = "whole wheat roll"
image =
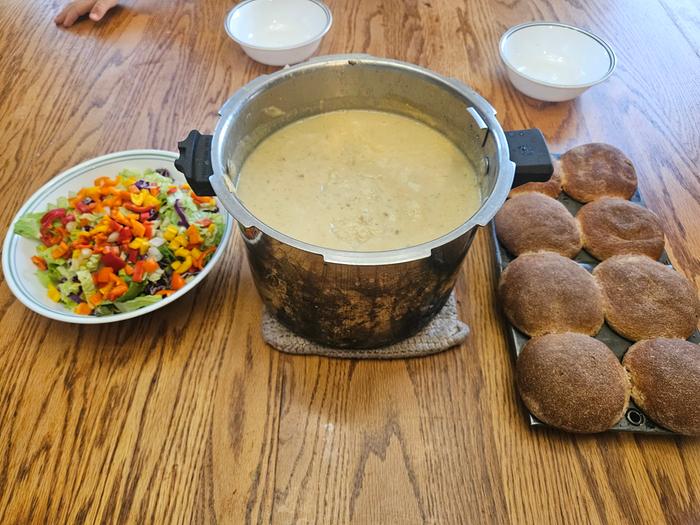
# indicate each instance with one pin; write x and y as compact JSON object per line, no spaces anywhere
{"x":644,"y":299}
{"x":544,"y":293}
{"x":573,"y":382}
{"x":593,"y":171}
{"x":665,"y":377}
{"x":613,"y":226}
{"x":533,"y":222}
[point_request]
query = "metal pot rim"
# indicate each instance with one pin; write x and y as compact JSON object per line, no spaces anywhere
{"x":221,"y":183}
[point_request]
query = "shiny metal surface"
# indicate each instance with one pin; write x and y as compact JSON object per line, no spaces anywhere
{"x":343,"y":298}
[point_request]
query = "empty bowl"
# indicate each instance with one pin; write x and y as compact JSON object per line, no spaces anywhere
{"x":553,"y":62}
{"x":279,"y":32}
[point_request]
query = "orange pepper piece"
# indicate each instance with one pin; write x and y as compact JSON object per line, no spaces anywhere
{"x":138,"y":228}
{"x":150,"y":265}
{"x":40,"y":262}
{"x":177,"y":282}
{"x":193,"y":235}
{"x":60,"y":250}
{"x":83,"y":309}
{"x":106,"y":289}
{"x":104,"y":274}
{"x":117,"y":292}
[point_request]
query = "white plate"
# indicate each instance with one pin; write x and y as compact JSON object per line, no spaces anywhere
{"x":20,"y":272}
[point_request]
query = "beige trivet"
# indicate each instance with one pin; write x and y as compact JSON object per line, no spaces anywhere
{"x":443,"y":332}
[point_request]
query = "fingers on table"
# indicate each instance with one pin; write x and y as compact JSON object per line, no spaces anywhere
{"x":100,"y":8}
{"x":74,"y":10}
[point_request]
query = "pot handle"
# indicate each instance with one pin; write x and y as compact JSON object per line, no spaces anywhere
{"x":195,"y":162}
{"x":529,"y":152}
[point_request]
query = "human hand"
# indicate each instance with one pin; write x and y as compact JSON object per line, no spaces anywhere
{"x":77,"y":8}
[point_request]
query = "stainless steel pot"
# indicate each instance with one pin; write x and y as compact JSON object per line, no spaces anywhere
{"x":342,"y":298}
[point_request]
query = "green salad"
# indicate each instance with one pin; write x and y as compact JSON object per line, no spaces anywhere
{"x":123,"y":243}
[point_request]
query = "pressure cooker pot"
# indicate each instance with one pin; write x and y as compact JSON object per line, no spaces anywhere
{"x":339,"y":298}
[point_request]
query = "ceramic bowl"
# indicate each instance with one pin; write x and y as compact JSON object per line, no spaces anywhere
{"x":554,"y":62}
{"x":279,"y":32}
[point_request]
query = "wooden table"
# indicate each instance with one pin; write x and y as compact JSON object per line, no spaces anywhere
{"x":187,"y":416}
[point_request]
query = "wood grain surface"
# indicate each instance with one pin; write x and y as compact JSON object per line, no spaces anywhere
{"x":186,"y":416}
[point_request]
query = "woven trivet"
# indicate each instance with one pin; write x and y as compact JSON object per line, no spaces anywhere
{"x":443,"y":332}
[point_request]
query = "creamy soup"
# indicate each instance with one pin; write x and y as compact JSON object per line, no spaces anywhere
{"x":359,"y":180}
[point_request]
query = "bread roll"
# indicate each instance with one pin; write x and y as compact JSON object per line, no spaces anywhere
{"x":543,"y":293}
{"x":592,"y":171}
{"x":573,"y":382}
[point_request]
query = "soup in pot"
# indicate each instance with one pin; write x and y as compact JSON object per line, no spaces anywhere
{"x":359,"y":180}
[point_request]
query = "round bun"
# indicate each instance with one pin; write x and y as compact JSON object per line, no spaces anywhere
{"x":551,"y":188}
{"x":644,"y":299}
{"x":616,"y":227}
{"x":533,"y":222}
{"x":542,"y":293}
{"x":573,"y":382}
{"x":665,"y":375}
{"x":593,"y":171}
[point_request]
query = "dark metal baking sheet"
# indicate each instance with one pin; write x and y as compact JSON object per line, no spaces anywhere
{"x":635,"y":420}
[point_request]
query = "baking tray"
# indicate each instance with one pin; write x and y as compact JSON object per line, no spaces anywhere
{"x":635,"y":420}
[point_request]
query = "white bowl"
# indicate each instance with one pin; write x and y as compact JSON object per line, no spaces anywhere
{"x":279,"y":32}
{"x":554,"y":62}
{"x":20,"y":272}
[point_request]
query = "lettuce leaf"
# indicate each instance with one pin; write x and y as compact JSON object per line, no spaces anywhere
{"x":138,"y":302}
{"x":85,"y":278}
{"x":28,"y":225}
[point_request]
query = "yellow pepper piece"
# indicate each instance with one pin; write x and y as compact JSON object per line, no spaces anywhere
{"x":140,"y":244}
{"x":175,"y":265}
{"x":182,"y":268}
{"x":182,"y":252}
{"x":93,"y":192}
{"x":178,"y":241}
{"x":53,"y":293}
{"x":170,"y":233}
{"x":101,"y":228}
{"x":150,"y":200}
{"x":137,"y":198}
{"x":196,"y":254}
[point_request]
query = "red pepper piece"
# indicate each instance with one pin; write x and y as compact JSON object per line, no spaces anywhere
{"x":53,"y":215}
{"x":113,"y":261}
{"x":138,"y":272}
{"x":84,"y":207}
{"x":125,"y":235}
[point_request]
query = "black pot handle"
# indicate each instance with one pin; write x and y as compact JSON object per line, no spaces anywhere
{"x":529,"y":151}
{"x":195,"y":162}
